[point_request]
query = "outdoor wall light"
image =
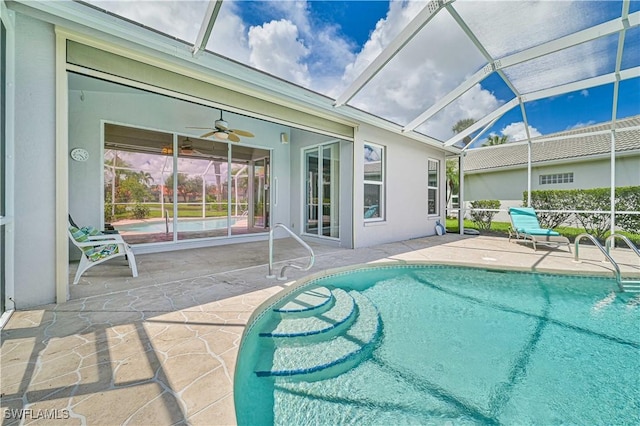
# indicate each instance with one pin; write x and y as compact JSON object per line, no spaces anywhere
{"x":284,"y":138}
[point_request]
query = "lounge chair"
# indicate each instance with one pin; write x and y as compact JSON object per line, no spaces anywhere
{"x":526,"y":228}
{"x":97,"y":248}
{"x":371,"y":211}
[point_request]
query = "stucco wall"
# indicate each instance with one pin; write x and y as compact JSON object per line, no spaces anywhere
{"x":88,"y":108}
{"x":406,"y":189}
{"x":508,"y":186}
{"x":34,"y":163}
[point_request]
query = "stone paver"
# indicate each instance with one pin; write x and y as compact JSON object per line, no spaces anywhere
{"x":162,"y":348}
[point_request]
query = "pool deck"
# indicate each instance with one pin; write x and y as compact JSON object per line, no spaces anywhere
{"x":161,"y":348}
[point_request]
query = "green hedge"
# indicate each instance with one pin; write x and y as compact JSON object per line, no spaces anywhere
{"x":626,"y":199}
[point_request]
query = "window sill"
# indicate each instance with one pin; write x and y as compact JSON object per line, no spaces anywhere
{"x":375,"y":222}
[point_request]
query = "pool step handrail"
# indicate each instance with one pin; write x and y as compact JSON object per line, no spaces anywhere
{"x":623,"y":285}
{"x":628,"y":285}
{"x":610,"y":239}
{"x":312,"y":256}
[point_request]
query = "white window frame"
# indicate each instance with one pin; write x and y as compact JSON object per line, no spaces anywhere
{"x":556,"y":178}
{"x":382,"y":183}
{"x":437,"y":187}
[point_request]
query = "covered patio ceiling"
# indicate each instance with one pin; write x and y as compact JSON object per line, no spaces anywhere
{"x":510,"y":68}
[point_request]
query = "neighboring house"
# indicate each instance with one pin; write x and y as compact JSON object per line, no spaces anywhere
{"x":573,"y":159}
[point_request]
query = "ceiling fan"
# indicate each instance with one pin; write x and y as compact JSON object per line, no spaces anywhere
{"x":222,"y":131}
{"x":185,"y":148}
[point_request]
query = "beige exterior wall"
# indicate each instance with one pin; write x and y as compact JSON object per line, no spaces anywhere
{"x":35,"y":172}
{"x":406,"y":189}
{"x":508,"y":186}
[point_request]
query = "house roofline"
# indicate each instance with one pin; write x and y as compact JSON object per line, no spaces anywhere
{"x":584,"y":159}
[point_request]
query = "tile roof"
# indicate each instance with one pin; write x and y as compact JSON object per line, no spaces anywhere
{"x":543,"y":150}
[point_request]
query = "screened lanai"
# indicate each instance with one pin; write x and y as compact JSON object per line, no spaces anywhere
{"x":450,"y":74}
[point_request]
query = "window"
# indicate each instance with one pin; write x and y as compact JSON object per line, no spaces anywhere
{"x":373,"y":182}
{"x":432,"y":187}
{"x":556,"y":178}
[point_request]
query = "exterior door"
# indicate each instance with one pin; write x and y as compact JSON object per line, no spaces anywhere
{"x":322,"y":190}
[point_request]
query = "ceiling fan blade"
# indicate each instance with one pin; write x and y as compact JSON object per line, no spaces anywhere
{"x":206,"y":135}
{"x":242,"y":133}
{"x":201,"y":128}
{"x":233,"y":137}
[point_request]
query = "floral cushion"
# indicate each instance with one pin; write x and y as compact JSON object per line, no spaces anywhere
{"x":93,"y":253}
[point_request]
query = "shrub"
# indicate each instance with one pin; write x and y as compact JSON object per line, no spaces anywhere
{"x":550,"y":200}
{"x":596,"y":224}
{"x":140,"y":211}
{"x":628,"y":199}
{"x":118,"y":211}
{"x":483,"y":218}
{"x":596,"y":199}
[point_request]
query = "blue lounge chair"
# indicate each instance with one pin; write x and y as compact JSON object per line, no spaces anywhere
{"x":526,"y":228}
{"x":371,"y":212}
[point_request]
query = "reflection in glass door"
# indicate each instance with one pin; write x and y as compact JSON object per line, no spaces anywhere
{"x":261,"y":193}
{"x":322,"y":190}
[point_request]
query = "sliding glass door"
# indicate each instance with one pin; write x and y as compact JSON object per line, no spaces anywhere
{"x":165,"y":187}
{"x":322,"y":190}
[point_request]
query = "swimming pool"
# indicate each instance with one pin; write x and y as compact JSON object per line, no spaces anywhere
{"x":184,"y":225}
{"x":418,"y":344}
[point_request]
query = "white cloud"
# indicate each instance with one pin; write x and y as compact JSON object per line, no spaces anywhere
{"x":580,"y":125}
{"x":229,"y":35}
{"x":276,"y":48}
{"x":436,"y":61}
{"x":296,"y":46}
{"x":517,"y":131}
{"x":174,"y":17}
{"x":399,"y":15}
{"x":299,"y":48}
{"x":476,"y":103}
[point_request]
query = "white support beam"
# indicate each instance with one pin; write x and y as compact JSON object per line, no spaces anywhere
{"x":614,"y":115}
{"x":582,"y":84}
{"x":482,"y":132}
{"x":483,"y":121}
{"x":629,"y":73}
{"x":592,"y":33}
{"x":461,"y":22}
{"x":210,"y":16}
{"x":450,"y":97}
{"x":529,"y":151}
{"x":406,"y":35}
{"x":598,"y":31}
{"x":461,"y":202}
{"x":469,"y":83}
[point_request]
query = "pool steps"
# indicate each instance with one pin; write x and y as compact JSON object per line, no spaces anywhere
{"x":311,"y":302}
{"x":342,"y":309}
{"x":342,"y":337}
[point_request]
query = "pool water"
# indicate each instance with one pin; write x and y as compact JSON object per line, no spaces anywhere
{"x":444,"y":345}
{"x":184,"y":225}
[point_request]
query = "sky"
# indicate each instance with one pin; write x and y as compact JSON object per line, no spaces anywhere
{"x":325,"y":45}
